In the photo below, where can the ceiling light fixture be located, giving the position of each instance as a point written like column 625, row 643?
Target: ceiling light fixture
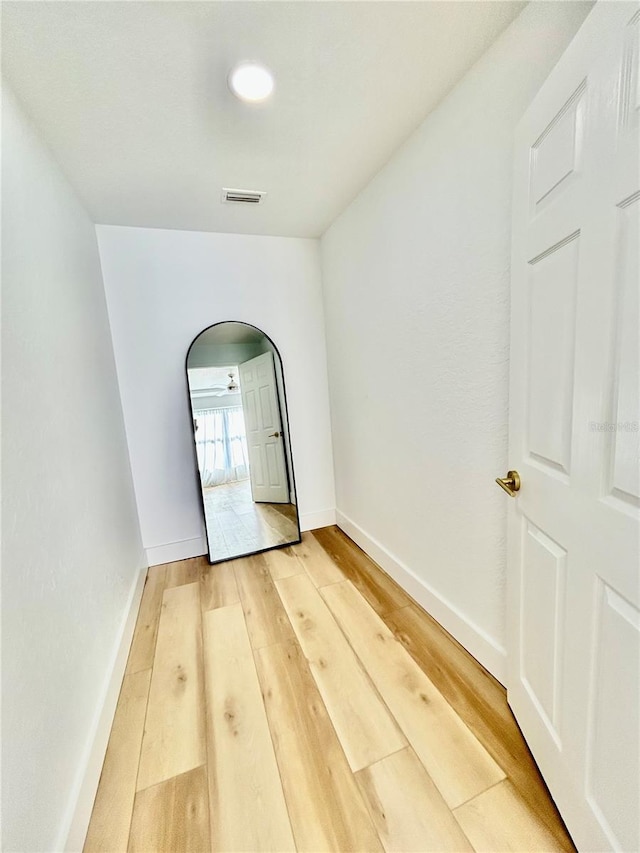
column 251, row 82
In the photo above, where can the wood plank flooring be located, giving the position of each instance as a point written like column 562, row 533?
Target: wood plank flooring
column 300, row 700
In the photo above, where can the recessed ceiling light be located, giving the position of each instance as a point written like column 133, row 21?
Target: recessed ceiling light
column 251, row 82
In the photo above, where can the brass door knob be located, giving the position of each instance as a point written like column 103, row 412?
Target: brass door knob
column 511, row 483
column 274, row 435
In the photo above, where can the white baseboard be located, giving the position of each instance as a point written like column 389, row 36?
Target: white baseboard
column 74, row 828
column 313, row 520
column 183, row 549
column 483, row 647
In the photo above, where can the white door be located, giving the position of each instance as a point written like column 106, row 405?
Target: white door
column 267, row 465
column 574, row 534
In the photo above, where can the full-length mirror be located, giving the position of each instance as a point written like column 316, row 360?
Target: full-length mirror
column 241, row 435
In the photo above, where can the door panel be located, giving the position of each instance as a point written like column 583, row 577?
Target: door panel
column 268, row 419
column 555, row 155
column 553, row 280
column 574, row 528
column 543, row 584
column 623, row 475
column 613, row 724
column 257, row 463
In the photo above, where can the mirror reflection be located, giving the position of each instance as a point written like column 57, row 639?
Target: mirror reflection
column 241, row 436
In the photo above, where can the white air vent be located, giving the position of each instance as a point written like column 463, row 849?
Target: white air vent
column 230, row 196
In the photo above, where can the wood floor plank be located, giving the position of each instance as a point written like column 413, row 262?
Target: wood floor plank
column 247, row 804
column 364, row 726
column 267, row 621
column 317, row 563
column 279, row 523
column 407, row 808
column 326, row 808
column 282, row 563
column 481, row 702
column 185, row 571
column 218, row 587
column 174, row 737
column 289, row 511
column 173, row 816
column 499, row 820
column 144, row 637
column 111, row 817
column 382, row 593
column 456, row 761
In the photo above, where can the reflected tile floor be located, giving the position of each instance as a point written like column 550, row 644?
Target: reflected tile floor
column 237, row 525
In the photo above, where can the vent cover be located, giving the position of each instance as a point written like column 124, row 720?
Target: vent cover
column 230, row 196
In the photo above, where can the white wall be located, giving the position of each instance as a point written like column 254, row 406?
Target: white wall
column 416, row 283
column 201, row 404
column 72, row 554
column 163, row 288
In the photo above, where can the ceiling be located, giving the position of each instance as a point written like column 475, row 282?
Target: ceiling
column 132, row 99
column 229, row 333
column 206, row 378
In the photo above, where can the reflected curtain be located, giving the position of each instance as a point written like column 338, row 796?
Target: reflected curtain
column 221, row 445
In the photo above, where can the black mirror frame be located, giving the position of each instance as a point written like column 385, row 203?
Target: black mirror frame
column 282, row 408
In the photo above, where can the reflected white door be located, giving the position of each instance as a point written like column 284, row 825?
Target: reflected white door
column 265, row 442
column 574, row 534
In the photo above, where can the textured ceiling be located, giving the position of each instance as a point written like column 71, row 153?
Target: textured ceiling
column 132, row 99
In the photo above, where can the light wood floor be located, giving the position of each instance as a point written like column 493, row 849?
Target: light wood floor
column 238, row 525
column 300, row 700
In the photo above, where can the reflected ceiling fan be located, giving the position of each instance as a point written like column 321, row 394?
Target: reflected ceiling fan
column 220, row 390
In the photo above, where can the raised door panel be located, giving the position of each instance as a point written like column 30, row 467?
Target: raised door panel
column 267, row 409
column 556, row 154
column 552, row 292
column 630, row 76
column 542, row 604
column 613, row 743
column 264, row 368
column 251, row 410
column 273, row 465
column 249, row 373
column 258, row 465
column 623, row 476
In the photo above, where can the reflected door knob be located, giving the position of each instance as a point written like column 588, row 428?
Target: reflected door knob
column 511, row 483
